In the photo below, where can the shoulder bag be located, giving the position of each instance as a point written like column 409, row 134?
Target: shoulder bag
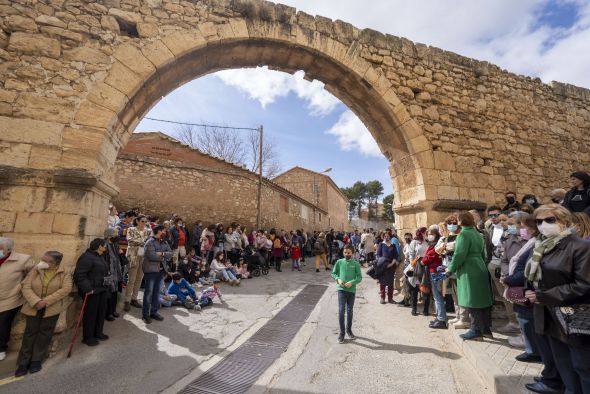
column 574, row 319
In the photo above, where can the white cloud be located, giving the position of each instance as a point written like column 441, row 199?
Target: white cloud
column 353, row 135
column 504, row 32
column 267, row 86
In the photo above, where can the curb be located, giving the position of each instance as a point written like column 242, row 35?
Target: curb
column 485, row 367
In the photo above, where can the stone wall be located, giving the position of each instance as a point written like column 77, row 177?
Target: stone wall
column 161, row 176
column 327, row 194
column 77, row 76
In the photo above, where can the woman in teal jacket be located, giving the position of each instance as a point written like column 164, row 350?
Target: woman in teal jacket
column 473, row 282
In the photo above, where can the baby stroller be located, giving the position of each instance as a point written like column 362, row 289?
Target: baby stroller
column 256, row 263
column 362, row 256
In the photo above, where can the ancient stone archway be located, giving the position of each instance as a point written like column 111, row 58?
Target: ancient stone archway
column 78, row 77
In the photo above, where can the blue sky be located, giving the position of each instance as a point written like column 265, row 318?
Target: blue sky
column 541, row 38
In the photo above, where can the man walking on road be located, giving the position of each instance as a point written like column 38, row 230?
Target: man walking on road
column 347, row 273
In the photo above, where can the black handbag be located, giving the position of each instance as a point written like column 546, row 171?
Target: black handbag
column 574, row 319
column 372, row 272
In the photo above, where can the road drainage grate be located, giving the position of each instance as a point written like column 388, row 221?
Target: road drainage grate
column 238, row 371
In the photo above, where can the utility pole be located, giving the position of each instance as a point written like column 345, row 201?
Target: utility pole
column 259, row 215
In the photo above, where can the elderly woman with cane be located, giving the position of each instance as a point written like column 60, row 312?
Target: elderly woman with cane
column 45, row 290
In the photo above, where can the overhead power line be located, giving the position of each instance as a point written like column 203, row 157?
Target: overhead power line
column 202, row 125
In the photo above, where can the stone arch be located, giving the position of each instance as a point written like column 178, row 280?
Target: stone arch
column 153, row 70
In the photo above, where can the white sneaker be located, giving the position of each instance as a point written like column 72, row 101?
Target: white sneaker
column 517, row 341
column 462, row 324
column 2, row 355
column 198, row 307
column 453, row 321
column 509, row 328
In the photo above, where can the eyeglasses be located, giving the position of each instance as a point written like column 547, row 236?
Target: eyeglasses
column 143, row 221
column 494, row 215
column 549, row 220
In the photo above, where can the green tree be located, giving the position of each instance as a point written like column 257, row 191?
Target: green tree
column 388, row 208
column 357, row 195
column 374, row 189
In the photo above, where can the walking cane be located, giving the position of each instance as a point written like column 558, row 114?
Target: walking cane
column 78, row 325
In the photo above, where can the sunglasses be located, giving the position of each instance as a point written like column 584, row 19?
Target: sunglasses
column 550, row 220
column 494, row 215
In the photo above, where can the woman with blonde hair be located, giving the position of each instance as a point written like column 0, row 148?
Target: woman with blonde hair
column 558, row 274
column 581, row 222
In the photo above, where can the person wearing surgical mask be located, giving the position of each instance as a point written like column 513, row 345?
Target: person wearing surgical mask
column 557, row 274
column 46, row 291
column 512, row 242
column 446, row 247
column 530, row 199
column 13, row 269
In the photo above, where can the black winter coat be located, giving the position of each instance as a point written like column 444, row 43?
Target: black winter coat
column 567, row 201
column 565, row 281
column 90, row 271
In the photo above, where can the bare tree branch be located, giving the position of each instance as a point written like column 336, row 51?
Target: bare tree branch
column 270, row 155
column 225, row 144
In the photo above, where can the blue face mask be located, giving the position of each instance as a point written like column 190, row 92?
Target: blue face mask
column 452, row 227
column 513, row 230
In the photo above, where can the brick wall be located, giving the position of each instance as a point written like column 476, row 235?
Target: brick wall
column 176, row 179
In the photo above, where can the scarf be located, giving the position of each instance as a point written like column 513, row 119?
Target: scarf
column 543, row 245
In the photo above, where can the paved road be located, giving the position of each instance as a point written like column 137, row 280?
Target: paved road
column 394, row 351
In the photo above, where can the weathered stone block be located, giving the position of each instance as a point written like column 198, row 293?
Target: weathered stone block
column 131, row 56
column 30, row 131
column 87, row 55
column 15, row 155
column 157, row 53
column 44, row 108
column 94, row 115
column 68, row 224
column 33, row 223
column 123, row 79
column 34, row 44
column 443, row 161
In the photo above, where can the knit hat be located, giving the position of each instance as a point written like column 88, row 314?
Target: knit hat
column 110, row 232
column 581, row 175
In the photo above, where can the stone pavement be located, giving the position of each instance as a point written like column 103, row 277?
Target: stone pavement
column 495, row 363
column 394, row 351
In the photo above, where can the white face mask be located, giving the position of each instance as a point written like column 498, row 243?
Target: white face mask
column 431, row 238
column 2, row 254
column 549, row 230
column 42, row 266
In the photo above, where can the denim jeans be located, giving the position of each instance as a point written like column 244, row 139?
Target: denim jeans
column 527, row 328
column 345, row 300
column 151, row 293
column 227, row 275
column 439, row 300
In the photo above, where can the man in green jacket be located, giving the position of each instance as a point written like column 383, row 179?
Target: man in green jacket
column 347, row 273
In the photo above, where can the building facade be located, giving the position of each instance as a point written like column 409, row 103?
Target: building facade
column 321, row 190
column 162, row 176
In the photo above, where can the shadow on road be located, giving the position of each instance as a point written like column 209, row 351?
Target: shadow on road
column 403, row 349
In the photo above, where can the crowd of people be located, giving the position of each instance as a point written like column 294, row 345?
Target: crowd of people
column 528, row 261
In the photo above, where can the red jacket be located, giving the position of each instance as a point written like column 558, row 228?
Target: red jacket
column 295, row 253
column 431, row 259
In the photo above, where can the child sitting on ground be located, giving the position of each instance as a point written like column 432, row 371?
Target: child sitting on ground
column 243, row 270
column 165, row 298
column 295, row 256
column 208, row 295
column 183, row 291
column 189, row 268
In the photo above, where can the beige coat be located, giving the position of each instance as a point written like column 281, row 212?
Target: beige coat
column 12, row 273
column 58, row 289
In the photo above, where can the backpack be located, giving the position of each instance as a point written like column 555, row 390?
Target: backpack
column 317, row 246
column 277, row 243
